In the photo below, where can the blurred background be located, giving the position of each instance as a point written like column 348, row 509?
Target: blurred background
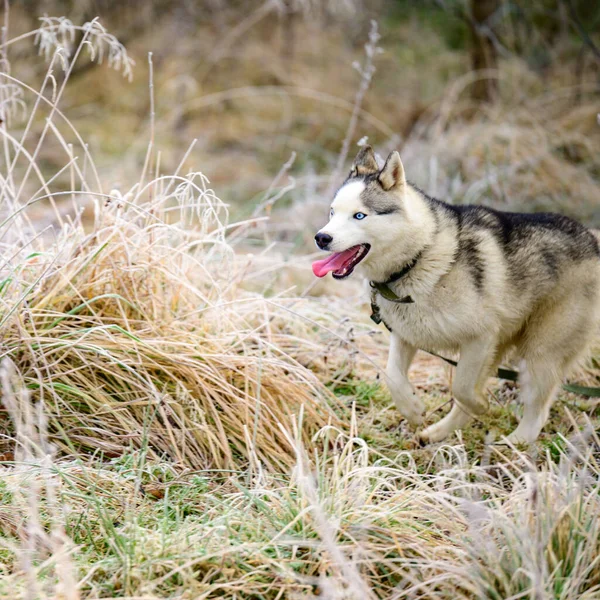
column 489, row 101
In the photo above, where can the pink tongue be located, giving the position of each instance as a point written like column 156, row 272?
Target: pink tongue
column 334, row 262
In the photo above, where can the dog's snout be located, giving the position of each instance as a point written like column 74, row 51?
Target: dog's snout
column 323, row 240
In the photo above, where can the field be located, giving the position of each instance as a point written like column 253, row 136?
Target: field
column 186, row 411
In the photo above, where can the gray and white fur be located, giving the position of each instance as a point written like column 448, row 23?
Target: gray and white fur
column 486, row 284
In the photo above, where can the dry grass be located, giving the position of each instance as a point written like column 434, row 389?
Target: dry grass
column 352, row 525
column 533, row 151
column 141, row 329
column 181, row 422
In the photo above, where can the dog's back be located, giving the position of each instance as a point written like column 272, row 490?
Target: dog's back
column 538, row 248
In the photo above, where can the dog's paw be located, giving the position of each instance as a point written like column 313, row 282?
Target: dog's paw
column 432, row 434
column 515, row 439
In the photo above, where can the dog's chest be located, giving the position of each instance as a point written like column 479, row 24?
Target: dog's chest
column 434, row 321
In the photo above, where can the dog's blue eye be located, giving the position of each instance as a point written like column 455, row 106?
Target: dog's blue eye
column 359, row 216
column 331, row 213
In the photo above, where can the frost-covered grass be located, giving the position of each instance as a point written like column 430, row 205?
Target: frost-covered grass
column 182, row 418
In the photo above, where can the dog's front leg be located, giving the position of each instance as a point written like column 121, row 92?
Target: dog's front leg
column 473, row 370
column 407, row 401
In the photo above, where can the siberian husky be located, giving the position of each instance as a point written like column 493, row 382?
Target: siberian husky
column 466, row 279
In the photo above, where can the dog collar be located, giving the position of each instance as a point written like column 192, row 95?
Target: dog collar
column 383, row 288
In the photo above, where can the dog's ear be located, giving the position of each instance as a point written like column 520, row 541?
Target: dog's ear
column 392, row 175
column 364, row 163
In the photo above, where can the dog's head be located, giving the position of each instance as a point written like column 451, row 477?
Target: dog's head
column 366, row 216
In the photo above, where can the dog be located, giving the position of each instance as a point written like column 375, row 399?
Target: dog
column 484, row 283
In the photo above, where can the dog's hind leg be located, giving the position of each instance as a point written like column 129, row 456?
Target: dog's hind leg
column 538, row 386
column 545, row 367
column 557, row 336
column 477, row 359
column 407, row 401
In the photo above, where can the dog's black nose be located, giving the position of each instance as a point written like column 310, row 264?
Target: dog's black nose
column 323, row 240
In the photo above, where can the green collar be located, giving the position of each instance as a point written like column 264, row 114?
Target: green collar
column 384, row 290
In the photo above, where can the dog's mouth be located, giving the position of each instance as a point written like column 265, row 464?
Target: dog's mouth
column 341, row 263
